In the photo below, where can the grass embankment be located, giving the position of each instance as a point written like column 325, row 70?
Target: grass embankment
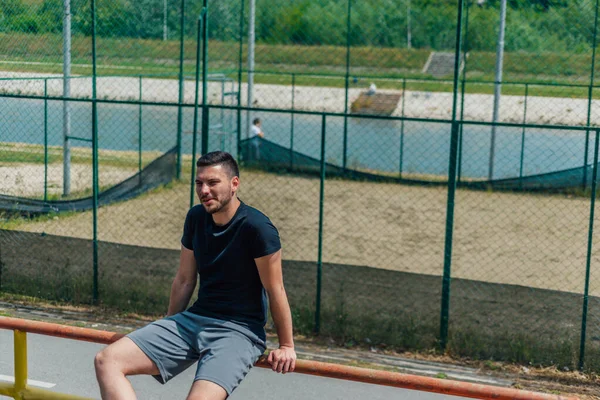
column 325, row 64
column 34, row 153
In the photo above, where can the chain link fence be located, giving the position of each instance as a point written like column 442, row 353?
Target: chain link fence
column 431, row 167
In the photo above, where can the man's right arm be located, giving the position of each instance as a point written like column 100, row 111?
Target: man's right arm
column 184, row 283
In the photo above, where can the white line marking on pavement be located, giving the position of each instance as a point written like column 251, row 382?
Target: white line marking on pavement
column 31, row 382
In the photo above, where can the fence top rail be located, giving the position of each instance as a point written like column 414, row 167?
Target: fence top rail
column 364, row 375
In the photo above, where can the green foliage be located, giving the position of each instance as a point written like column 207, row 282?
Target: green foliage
column 51, row 16
column 532, row 25
column 12, row 8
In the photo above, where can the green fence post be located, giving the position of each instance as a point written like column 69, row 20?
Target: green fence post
column 181, row 92
column 321, row 214
column 140, row 129
column 523, row 135
column 196, row 101
column 204, row 33
column 452, row 169
column 45, row 139
column 400, row 167
column 239, row 94
column 590, row 97
column 95, row 187
column 348, row 30
column 292, row 122
column 462, row 90
column 589, row 257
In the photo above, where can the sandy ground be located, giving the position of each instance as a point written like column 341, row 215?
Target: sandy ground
column 478, row 107
column 27, row 180
column 531, row 240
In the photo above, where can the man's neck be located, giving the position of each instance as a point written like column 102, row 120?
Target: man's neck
column 224, row 216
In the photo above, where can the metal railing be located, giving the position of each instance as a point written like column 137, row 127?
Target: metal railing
column 21, row 391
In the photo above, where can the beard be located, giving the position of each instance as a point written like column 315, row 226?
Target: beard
column 219, row 204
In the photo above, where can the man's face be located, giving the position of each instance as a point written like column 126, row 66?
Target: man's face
column 215, row 188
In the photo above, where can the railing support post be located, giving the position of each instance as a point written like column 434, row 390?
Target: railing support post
column 20, row 343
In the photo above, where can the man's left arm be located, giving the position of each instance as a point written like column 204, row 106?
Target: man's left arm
column 282, row 359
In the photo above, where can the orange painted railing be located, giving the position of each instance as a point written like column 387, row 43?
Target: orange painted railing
column 406, row 381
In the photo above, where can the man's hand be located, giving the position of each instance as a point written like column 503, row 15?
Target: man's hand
column 283, row 359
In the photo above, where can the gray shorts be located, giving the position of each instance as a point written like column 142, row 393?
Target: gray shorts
column 225, row 351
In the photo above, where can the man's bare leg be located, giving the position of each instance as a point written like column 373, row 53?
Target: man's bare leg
column 206, row 390
column 115, row 362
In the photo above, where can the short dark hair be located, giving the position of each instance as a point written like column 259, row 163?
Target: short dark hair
column 256, row 121
column 219, row 158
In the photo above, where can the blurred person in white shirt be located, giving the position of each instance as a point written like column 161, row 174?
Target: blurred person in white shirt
column 256, row 133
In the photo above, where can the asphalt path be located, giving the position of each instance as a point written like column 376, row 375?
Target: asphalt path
column 66, row 366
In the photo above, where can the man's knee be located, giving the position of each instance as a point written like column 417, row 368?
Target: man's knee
column 126, row 358
column 114, row 357
column 104, row 360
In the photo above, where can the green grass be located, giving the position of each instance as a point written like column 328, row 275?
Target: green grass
column 413, row 84
column 34, row 154
column 14, row 221
column 164, row 55
column 8, row 156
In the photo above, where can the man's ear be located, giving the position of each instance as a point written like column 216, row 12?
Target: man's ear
column 235, row 183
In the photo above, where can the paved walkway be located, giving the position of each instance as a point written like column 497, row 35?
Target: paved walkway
column 66, row 366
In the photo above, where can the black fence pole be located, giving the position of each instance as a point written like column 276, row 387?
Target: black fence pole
column 589, row 257
column 452, row 172
column 321, row 216
column 239, row 93
column 181, row 91
column 196, row 102
column 95, row 186
column 590, row 97
column 205, row 126
column 348, row 33
column 292, row 122
column 462, row 91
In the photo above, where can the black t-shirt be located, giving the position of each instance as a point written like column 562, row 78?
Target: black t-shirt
column 230, row 287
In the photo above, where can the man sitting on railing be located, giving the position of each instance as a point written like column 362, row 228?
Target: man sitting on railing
column 237, row 253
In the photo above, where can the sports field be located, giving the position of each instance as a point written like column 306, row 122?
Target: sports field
column 522, row 239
